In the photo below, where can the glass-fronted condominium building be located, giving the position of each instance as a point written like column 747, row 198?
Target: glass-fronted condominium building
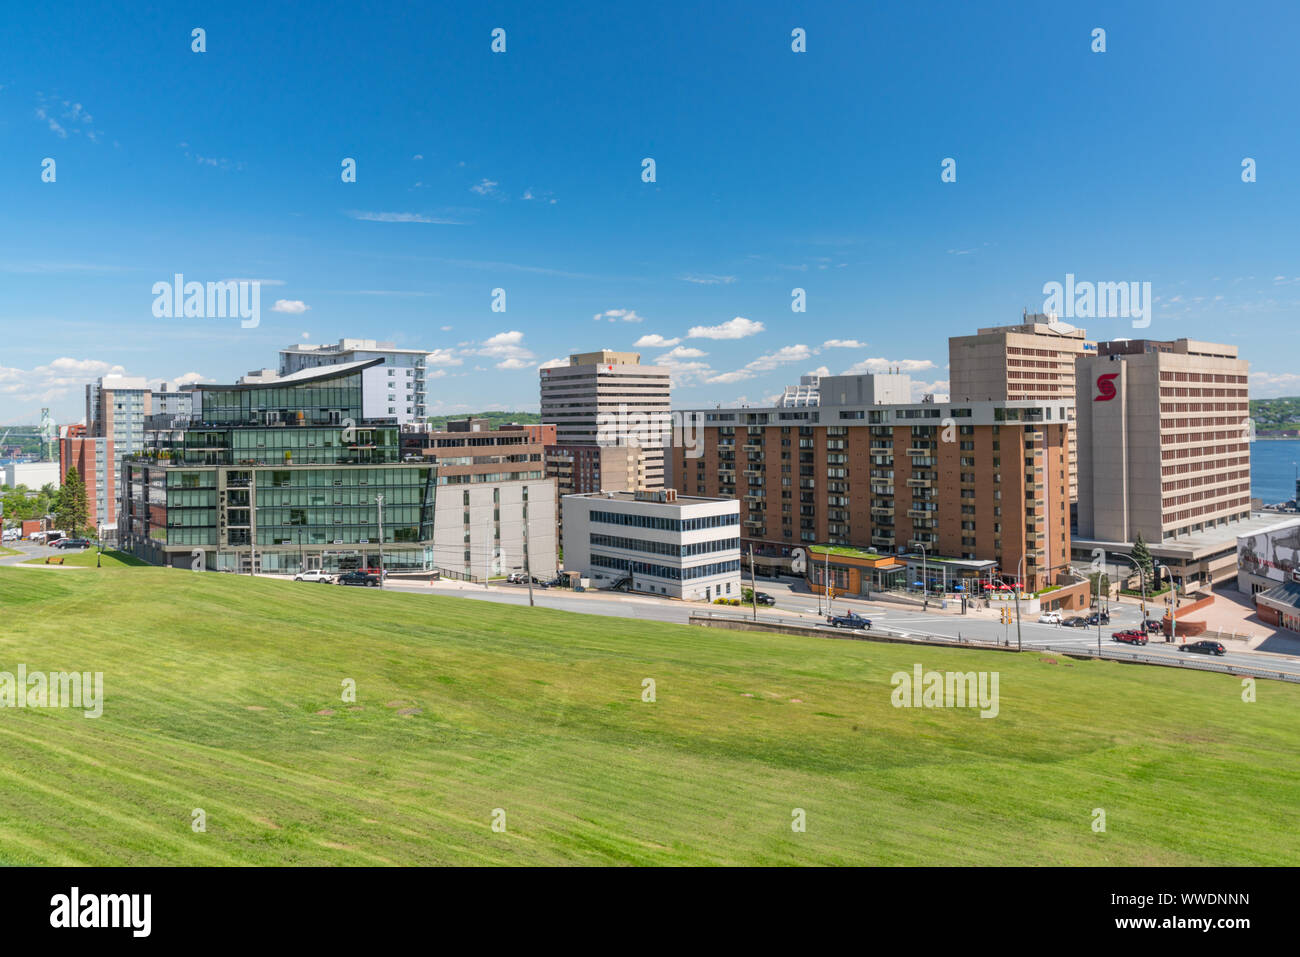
column 280, row 476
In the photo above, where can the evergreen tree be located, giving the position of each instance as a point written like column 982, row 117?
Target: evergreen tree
column 70, row 511
column 1141, row 556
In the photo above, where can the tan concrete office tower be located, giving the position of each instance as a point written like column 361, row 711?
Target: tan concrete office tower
column 608, row 398
column 1034, row 360
column 1164, row 450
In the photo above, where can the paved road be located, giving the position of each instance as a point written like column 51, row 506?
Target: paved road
column 795, row 604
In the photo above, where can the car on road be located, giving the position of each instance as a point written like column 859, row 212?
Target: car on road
column 72, row 543
column 314, row 575
column 1153, row 624
column 763, row 598
column 1204, row 647
column 1130, row 637
column 1050, row 618
column 1105, row 618
column 1077, row 621
column 851, row 620
column 358, row 578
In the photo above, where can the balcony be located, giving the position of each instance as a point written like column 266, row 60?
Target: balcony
column 751, row 497
column 884, row 541
column 754, row 473
column 753, row 523
column 882, row 510
column 919, row 513
column 920, row 451
column 920, row 483
column 749, row 447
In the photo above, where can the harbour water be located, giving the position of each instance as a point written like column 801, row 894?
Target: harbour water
column 1272, row 469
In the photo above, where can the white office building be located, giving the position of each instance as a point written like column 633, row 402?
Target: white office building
column 396, row 390
column 655, row 541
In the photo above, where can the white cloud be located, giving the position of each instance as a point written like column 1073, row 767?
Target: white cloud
column 654, row 341
column 681, row 352
column 737, row 328
column 921, row 389
column 708, row 280
column 508, row 348
column 418, row 156
column 485, row 187
column 443, row 357
column 554, row 364
column 369, row 217
column 24, row 391
column 1273, row 385
column 614, row 315
column 820, row 371
column 765, row 363
column 290, row 305
column 445, row 328
column 887, row 365
column 843, row 344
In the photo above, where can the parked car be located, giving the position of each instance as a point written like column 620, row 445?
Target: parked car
column 763, row 598
column 1204, row 648
column 514, row 578
column 314, row 575
column 72, row 543
column 1050, row 618
column 851, row 620
column 1105, row 618
column 358, row 578
column 1077, row 621
column 1130, row 637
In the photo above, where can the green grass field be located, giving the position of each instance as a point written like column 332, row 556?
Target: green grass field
column 85, row 558
column 223, row 693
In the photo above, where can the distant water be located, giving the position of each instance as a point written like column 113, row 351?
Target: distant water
column 1272, row 469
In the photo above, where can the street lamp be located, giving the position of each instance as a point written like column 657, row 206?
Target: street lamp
column 1173, row 603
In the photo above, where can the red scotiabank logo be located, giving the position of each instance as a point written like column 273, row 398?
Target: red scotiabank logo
column 1105, row 388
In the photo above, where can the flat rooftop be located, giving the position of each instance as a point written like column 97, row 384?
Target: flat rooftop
column 1197, row 545
column 632, row 497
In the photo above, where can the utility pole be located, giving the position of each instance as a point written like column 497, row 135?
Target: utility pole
column 379, row 500
column 528, row 568
column 753, row 586
column 487, row 553
column 829, row 613
column 1018, row 568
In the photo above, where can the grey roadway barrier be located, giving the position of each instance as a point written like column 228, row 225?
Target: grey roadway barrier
column 804, row 627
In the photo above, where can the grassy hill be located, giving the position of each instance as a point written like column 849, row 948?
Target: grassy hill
column 495, row 419
column 223, row 693
column 1283, row 413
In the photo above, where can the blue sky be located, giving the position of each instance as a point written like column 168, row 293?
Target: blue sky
column 522, row 171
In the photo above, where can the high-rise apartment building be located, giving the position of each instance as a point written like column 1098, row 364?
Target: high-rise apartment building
column 116, row 408
column 969, row 481
column 1164, row 451
column 1033, row 360
column 280, row 476
column 93, row 458
column 396, row 390
column 608, row 398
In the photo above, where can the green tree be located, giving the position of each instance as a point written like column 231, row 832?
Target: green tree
column 70, row 511
column 1141, row 556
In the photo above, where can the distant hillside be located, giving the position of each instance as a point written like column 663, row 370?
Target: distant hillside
column 1270, row 414
column 494, row 418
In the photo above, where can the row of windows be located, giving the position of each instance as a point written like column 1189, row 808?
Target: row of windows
column 664, row 571
column 667, row 548
column 666, row 524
